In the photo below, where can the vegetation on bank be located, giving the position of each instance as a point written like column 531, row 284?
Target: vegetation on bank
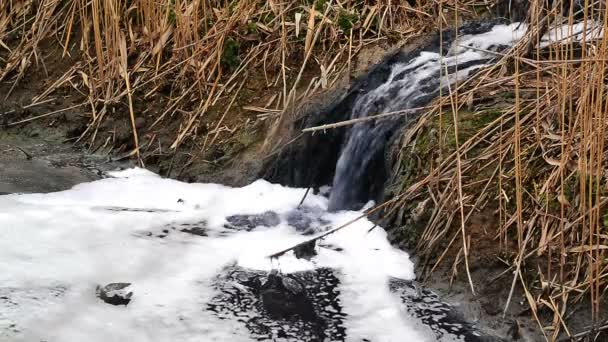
column 536, row 158
column 193, row 61
column 524, row 143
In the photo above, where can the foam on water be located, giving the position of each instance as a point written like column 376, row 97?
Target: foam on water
column 57, row 247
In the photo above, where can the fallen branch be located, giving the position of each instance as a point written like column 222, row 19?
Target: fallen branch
column 313, row 240
column 367, row 118
column 45, row 115
column 304, row 197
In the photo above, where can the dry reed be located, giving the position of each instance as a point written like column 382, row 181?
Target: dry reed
column 195, row 54
column 539, row 165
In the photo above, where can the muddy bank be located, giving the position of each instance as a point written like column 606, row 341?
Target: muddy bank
column 38, row 159
column 38, row 162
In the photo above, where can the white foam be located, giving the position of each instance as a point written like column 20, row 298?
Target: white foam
column 505, row 35
column 73, row 240
column 577, row 32
column 55, row 248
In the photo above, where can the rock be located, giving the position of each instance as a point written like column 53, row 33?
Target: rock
column 299, row 220
column 446, row 321
column 306, row 220
column 198, row 228
column 421, row 211
column 195, row 231
column 27, row 176
column 249, row 222
column 301, row 306
column 115, row 293
column 283, row 297
column 305, row 250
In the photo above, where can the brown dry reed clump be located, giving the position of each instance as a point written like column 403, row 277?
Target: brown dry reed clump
column 538, row 162
column 198, row 55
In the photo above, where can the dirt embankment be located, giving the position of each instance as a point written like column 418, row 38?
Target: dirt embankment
column 487, row 292
column 231, row 145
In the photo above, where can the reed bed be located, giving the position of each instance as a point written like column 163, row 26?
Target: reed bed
column 198, row 56
column 537, row 163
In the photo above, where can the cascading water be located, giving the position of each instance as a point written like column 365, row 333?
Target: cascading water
column 410, row 84
column 414, row 79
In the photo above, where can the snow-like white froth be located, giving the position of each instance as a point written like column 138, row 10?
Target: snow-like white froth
column 55, row 248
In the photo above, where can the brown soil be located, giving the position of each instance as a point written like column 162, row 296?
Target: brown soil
column 64, row 116
column 234, row 156
column 491, row 283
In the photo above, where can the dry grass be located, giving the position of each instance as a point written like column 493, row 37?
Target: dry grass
column 198, row 54
column 539, row 164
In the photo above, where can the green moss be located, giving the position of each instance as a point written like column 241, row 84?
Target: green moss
column 247, row 137
column 572, row 187
column 507, row 95
column 171, row 12
column 230, row 56
column 410, row 234
column 376, row 21
column 469, row 124
column 251, row 27
column 347, row 20
column 232, row 6
column 241, row 140
column 268, row 18
column 320, row 5
column 423, row 152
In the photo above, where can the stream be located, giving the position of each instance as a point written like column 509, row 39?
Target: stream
column 196, row 259
column 137, row 257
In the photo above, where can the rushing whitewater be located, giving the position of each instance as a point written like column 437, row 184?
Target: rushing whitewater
column 410, row 84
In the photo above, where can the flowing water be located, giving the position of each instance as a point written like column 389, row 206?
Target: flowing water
column 196, row 258
column 135, row 257
column 414, row 80
column 410, row 84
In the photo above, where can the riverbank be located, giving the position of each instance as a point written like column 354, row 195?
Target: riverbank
column 49, row 141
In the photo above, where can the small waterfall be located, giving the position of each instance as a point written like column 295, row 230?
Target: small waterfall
column 412, row 83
